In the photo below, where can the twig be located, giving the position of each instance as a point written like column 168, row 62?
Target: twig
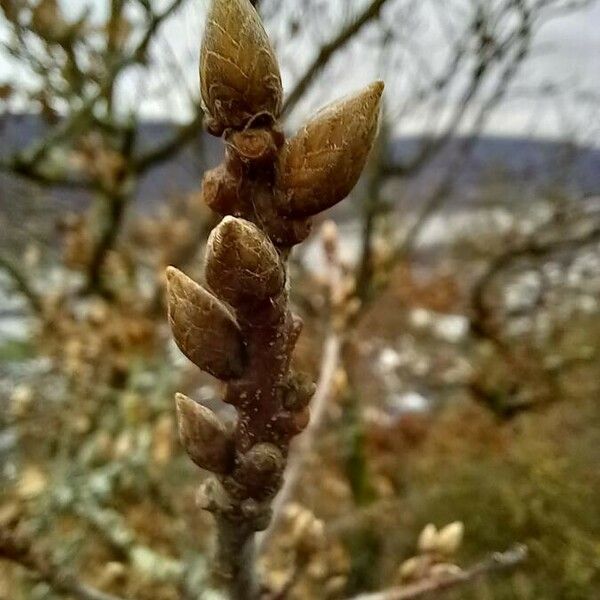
column 114, row 204
column 19, row 550
column 328, row 50
column 481, row 313
column 306, row 440
column 155, row 21
column 532, row 250
column 497, row 562
column 166, row 150
column 445, row 187
column 22, row 284
column 520, row 38
column 241, row 328
column 332, row 354
column 113, row 527
column 28, row 162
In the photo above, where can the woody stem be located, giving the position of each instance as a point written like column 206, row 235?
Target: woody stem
column 235, row 559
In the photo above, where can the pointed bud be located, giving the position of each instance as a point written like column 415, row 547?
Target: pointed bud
column 428, row 539
column 204, row 328
column 450, row 538
column 260, row 470
column 242, row 263
column 414, row 568
column 238, row 70
column 320, row 166
column 203, row 436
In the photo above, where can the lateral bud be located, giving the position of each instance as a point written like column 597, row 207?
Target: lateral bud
column 242, row 263
column 260, row 470
column 323, row 162
column 289, row 423
column 220, row 190
column 204, row 328
column 203, row 436
column 299, row 392
column 239, row 73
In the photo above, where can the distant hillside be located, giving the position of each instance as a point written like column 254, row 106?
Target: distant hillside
column 522, row 162
column 179, row 175
column 514, row 161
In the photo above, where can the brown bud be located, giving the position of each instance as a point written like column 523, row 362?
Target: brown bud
column 260, row 470
column 204, row 328
column 213, row 496
column 238, row 70
column 299, row 392
column 288, row 423
column 203, row 436
column 450, row 538
column 220, row 190
column 320, row 166
column 253, row 146
column 242, row 263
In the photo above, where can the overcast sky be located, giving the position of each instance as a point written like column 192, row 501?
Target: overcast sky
column 567, row 55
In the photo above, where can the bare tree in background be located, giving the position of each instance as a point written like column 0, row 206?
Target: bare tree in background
column 71, row 70
column 74, row 70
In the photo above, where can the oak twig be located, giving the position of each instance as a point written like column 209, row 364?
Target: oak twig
column 497, row 562
column 240, row 327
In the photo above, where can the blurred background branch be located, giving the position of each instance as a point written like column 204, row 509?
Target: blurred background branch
column 461, row 322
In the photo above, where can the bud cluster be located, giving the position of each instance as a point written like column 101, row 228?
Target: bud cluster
column 436, row 549
column 239, row 326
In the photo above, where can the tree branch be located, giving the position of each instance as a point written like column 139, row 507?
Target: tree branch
column 444, row 188
column 166, row 150
column 28, row 162
column 156, row 20
column 328, row 50
column 19, row 550
column 22, row 284
column 497, row 562
column 521, row 38
column 531, row 250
